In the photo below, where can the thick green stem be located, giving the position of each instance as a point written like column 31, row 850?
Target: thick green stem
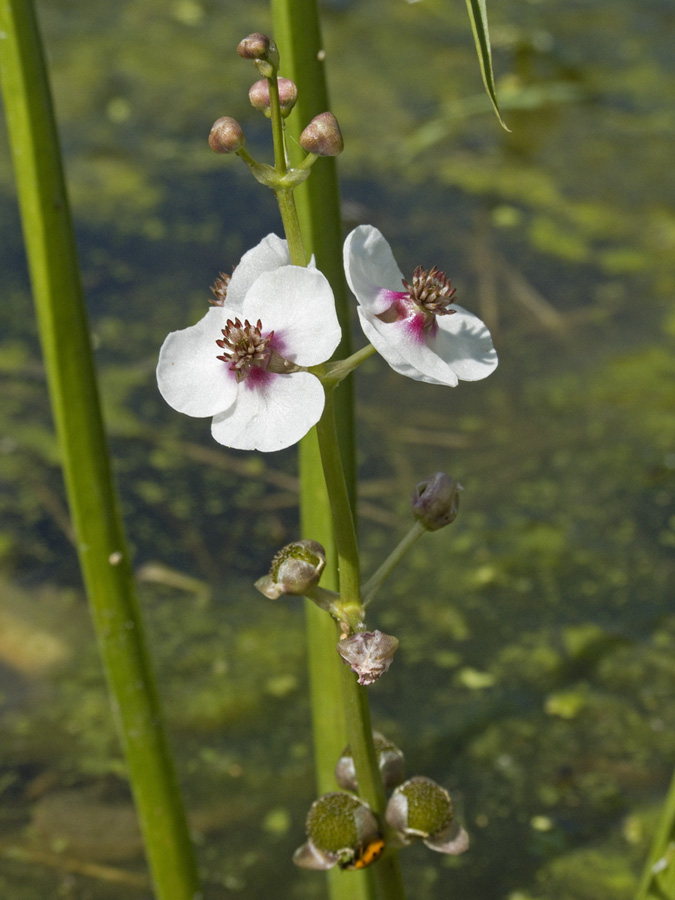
column 289, row 217
column 298, row 35
column 71, row 377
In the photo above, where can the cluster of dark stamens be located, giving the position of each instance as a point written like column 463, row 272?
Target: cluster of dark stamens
column 431, row 291
column 244, row 347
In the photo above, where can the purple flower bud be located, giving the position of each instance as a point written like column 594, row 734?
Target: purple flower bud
column 259, row 95
column 226, row 135
column 322, row 136
column 435, row 501
column 368, row 653
column 295, row 569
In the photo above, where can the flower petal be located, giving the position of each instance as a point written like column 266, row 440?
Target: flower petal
column 371, row 269
column 269, row 254
column 190, row 377
column 405, row 354
column 465, row 343
column 298, row 305
column 459, row 346
column 272, row 415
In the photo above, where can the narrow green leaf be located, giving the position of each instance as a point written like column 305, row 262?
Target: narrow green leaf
column 71, row 377
column 479, row 25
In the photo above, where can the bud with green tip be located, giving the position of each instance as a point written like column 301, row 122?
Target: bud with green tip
column 322, row 136
column 435, row 501
column 226, row 135
column 295, row 569
column 389, row 759
column 368, row 653
column 341, row 830
column 420, row 808
column 259, row 95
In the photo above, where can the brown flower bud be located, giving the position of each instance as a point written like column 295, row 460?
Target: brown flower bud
column 255, row 46
column 259, row 95
column 262, row 50
column 435, row 501
column 322, row 136
column 226, row 135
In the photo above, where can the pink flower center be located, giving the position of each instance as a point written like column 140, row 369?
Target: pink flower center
column 249, row 353
column 428, row 295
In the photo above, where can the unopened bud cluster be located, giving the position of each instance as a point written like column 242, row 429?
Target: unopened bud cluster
column 322, row 137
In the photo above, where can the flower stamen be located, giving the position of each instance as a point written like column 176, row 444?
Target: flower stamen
column 219, row 289
column 245, row 347
column 431, row 291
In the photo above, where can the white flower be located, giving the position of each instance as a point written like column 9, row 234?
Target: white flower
column 243, row 363
column 414, row 325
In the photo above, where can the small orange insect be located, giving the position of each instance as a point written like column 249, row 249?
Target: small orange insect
column 366, row 855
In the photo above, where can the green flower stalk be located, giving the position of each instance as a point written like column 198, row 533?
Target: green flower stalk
column 104, row 559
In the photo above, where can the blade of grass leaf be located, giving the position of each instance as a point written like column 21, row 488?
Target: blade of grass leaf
column 479, row 25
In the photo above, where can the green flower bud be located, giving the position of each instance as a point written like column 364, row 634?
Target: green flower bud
column 435, row 501
column 419, row 807
column 341, row 830
column 295, row 569
column 226, row 135
column 368, row 653
column 322, row 137
column 389, row 758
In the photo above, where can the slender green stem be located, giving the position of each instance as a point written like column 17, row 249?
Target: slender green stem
column 104, row 558
column 658, row 877
column 372, row 586
column 280, row 161
column 298, row 35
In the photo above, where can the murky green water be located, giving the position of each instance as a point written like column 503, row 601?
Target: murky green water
column 535, row 678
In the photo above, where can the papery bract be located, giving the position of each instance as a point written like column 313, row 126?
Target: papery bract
column 243, row 362
column 415, row 326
